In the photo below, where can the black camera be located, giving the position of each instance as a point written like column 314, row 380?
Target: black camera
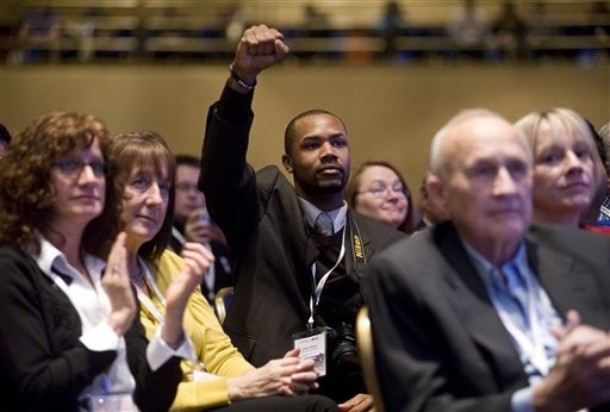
column 342, row 347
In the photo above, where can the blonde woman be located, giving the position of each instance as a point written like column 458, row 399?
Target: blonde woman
column 566, row 175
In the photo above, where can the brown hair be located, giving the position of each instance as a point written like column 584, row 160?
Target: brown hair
column 353, row 188
column 128, row 151
column 26, row 194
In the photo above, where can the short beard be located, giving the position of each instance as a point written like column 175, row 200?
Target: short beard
column 329, row 189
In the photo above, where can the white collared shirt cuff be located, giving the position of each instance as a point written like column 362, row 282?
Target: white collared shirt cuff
column 521, row 401
column 100, row 338
column 159, row 352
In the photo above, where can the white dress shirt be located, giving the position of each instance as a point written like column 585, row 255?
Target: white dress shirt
column 93, row 306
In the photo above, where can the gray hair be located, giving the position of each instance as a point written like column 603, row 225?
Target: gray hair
column 439, row 164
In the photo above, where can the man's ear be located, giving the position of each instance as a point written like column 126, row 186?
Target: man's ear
column 434, row 187
column 287, row 162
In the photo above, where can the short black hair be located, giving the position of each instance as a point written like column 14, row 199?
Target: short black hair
column 4, row 134
column 187, row 160
column 289, row 132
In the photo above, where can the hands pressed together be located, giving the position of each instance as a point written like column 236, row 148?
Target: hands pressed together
column 581, row 375
column 286, row 376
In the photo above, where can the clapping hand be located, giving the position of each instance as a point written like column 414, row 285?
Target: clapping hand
column 197, row 259
column 581, row 375
column 117, row 285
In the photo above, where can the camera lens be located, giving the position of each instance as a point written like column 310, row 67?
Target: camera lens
column 345, row 351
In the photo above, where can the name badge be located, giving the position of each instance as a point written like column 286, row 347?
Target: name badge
column 313, row 346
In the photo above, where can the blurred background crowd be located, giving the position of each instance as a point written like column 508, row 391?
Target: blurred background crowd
column 357, row 31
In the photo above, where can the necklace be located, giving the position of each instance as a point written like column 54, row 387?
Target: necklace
column 138, row 278
column 152, row 290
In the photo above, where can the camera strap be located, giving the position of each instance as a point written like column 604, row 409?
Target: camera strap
column 312, row 342
column 351, row 231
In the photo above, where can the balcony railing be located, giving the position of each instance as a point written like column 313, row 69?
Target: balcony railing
column 153, row 31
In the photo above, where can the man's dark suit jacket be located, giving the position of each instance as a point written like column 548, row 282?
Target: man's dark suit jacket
column 43, row 364
column 437, row 335
column 270, row 244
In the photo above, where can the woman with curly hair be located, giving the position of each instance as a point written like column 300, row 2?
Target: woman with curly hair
column 68, row 339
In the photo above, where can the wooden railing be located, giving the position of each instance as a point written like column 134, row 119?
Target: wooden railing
column 149, row 30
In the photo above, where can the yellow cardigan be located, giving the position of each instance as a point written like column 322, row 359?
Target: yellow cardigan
column 212, row 346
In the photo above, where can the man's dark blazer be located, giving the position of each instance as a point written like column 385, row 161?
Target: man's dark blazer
column 269, row 242
column 437, row 335
column 43, row 364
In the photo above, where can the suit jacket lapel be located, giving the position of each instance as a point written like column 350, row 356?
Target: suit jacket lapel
column 552, row 270
column 568, row 284
column 476, row 312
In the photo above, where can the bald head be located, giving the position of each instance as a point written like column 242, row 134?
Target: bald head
column 445, row 147
column 482, row 175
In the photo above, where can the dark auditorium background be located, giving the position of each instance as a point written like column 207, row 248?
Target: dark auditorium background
column 158, row 65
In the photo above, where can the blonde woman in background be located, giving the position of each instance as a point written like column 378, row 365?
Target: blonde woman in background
column 566, row 176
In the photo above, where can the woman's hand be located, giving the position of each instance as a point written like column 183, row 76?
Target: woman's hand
column 287, row 376
column 117, row 285
column 197, row 259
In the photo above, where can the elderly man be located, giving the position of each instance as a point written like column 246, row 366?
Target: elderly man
column 432, row 213
column 484, row 312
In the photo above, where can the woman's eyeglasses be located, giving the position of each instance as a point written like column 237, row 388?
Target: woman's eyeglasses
column 382, row 191
column 73, row 167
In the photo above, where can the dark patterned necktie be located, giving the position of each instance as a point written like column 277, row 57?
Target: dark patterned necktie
column 324, row 224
